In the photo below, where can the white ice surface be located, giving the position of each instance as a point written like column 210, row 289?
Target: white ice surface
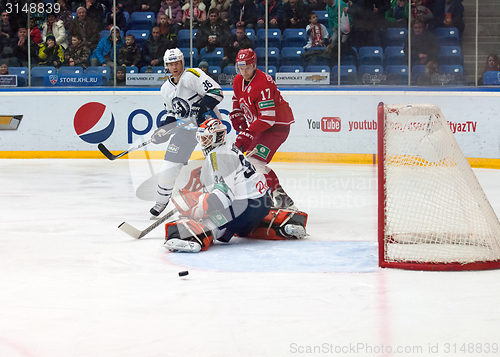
column 73, row 285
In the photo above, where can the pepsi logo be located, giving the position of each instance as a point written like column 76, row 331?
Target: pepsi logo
column 94, row 123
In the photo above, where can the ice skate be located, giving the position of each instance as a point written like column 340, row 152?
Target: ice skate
column 282, row 200
column 294, row 231
column 157, row 209
column 181, row 245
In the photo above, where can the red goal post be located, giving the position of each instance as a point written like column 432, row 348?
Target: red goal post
column 432, row 211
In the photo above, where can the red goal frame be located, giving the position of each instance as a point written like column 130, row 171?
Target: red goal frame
column 408, row 265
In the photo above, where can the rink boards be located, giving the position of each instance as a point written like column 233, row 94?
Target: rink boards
column 337, row 126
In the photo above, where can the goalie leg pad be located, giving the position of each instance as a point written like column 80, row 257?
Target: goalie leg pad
column 274, row 225
column 187, row 235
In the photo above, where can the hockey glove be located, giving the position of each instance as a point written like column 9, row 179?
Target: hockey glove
column 161, row 135
column 194, row 183
column 196, row 113
column 244, row 140
column 238, row 120
column 191, row 204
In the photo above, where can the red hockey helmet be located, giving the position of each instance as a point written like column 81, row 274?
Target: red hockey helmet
column 245, row 57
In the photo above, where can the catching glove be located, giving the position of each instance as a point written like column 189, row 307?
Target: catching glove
column 191, row 204
column 244, row 140
column 238, row 120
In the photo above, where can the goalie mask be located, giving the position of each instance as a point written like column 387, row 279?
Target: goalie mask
column 211, row 134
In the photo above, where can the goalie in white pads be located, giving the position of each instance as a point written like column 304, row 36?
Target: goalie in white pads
column 188, row 95
column 234, row 200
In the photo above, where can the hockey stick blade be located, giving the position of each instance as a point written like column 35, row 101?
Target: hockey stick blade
column 112, row 157
column 137, row 234
column 105, row 151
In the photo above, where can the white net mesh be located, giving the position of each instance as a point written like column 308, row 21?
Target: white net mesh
column 435, row 209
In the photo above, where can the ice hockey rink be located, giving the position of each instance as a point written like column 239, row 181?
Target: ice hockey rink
column 73, row 285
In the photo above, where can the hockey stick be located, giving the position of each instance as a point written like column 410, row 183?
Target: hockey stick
column 137, row 234
column 251, row 153
column 110, row 156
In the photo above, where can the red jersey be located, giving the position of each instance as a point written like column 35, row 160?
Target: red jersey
column 261, row 100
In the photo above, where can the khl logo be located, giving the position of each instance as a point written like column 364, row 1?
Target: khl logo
column 94, row 123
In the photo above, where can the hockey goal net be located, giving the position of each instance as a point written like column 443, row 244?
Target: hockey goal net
column 433, row 213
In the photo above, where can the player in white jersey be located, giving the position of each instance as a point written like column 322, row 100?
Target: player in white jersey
column 188, row 95
column 234, row 199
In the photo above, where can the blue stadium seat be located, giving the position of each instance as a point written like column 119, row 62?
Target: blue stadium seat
column 371, row 55
column 395, row 55
column 447, row 36
column 291, row 56
column 213, row 58
column 291, row 69
column 274, row 38
column 155, row 69
column 132, row 69
column 416, row 72
column 229, row 70
column 38, row 74
column 105, row 33
column 141, row 21
column 324, row 69
column 19, row 71
column 273, row 56
column 187, row 55
column 396, row 36
column 294, row 38
column 250, row 33
column 348, row 60
column 271, row 70
column 450, row 55
column 215, row 70
column 141, row 36
column 183, row 38
column 347, row 74
column 22, row 75
column 102, row 70
column 401, row 72
column 451, row 69
column 489, row 78
column 370, row 69
column 70, row 70
column 322, row 17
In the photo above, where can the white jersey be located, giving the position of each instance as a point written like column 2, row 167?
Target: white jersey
column 227, row 173
column 193, row 85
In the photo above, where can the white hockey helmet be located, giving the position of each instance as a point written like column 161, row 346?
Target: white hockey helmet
column 173, row 55
column 211, row 134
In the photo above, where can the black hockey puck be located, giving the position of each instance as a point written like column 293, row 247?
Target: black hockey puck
column 183, row 273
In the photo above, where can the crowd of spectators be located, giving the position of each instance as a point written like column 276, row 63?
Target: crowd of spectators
column 71, row 36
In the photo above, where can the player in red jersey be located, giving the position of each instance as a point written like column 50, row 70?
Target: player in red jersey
column 263, row 119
